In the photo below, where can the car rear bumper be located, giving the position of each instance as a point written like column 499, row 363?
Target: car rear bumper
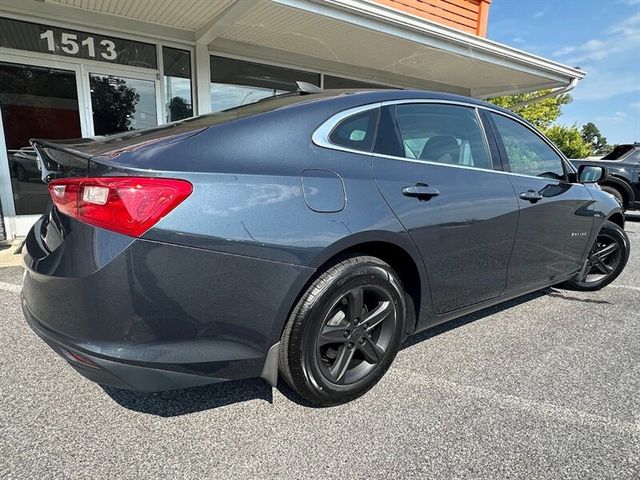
column 113, row 371
column 150, row 316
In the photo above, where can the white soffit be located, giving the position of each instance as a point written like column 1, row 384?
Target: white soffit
column 349, row 37
column 186, row 14
column 387, row 57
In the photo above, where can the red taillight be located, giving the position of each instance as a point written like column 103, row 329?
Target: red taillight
column 129, row 205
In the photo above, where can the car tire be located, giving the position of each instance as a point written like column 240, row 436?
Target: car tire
column 344, row 332
column 21, row 174
column 615, row 193
column 606, row 260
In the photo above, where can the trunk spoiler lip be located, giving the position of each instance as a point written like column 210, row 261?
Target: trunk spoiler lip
column 106, row 157
column 57, row 145
column 47, row 170
column 68, row 146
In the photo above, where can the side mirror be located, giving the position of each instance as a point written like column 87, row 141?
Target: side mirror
column 591, row 174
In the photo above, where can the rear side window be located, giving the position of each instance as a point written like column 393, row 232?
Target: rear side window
column 357, row 131
column 447, row 134
column 527, row 153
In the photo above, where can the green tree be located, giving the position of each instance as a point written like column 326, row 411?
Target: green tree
column 569, row 140
column 592, row 135
column 542, row 113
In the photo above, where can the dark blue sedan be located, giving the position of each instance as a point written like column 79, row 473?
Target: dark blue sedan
column 304, row 236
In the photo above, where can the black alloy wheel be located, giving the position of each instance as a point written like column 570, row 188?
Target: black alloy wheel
column 603, row 258
column 344, row 332
column 605, row 261
column 356, row 333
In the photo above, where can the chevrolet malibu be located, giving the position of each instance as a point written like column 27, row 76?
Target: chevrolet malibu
column 303, row 236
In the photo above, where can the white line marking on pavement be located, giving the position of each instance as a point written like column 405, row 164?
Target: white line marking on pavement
column 10, row 287
column 628, row 287
column 555, row 412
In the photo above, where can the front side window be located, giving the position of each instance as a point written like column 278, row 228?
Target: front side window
column 527, row 153
column 447, row 134
column 356, row 132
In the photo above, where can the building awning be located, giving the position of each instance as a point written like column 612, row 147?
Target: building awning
column 354, row 38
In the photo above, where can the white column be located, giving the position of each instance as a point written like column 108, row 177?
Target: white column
column 6, row 196
column 203, row 79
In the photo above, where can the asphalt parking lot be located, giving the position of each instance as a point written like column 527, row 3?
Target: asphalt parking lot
column 547, row 386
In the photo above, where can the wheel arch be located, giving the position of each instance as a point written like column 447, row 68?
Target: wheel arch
column 617, row 218
column 397, row 250
column 622, row 186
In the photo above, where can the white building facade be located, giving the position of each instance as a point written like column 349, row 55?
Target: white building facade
column 79, row 68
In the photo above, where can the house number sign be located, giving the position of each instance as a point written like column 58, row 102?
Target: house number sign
column 16, row 34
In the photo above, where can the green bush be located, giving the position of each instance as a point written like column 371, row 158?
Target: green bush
column 569, row 140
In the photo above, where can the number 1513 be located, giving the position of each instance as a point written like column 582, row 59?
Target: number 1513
column 69, row 45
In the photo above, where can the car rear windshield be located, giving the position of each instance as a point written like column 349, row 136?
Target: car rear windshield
column 618, row 152
column 242, row 111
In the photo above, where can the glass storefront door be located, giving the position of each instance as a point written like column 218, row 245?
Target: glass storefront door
column 35, row 102
column 120, row 104
column 56, row 100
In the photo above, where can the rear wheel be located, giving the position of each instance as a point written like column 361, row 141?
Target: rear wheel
column 344, row 332
column 606, row 260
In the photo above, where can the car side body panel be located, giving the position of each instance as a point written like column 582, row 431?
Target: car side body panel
column 465, row 234
column 553, row 233
column 204, row 295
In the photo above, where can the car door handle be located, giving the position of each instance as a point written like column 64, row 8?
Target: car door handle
column 531, row 196
column 421, row 191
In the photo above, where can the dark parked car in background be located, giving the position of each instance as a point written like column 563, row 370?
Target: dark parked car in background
column 623, row 181
column 304, row 235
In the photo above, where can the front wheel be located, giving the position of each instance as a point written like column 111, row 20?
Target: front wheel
column 345, row 331
column 606, row 260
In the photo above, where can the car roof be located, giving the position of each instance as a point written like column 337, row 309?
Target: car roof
column 373, row 95
column 347, row 98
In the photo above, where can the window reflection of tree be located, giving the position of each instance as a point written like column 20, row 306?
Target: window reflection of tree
column 179, row 108
column 113, row 103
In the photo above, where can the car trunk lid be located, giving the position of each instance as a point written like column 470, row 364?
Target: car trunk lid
column 73, row 158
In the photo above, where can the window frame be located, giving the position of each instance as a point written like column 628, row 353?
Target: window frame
column 567, row 168
column 495, row 161
column 374, row 129
column 320, row 136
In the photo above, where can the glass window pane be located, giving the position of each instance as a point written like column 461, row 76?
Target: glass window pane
column 177, row 81
column 90, row 46
column 443, row 134
column 238, row 82
column 121, row 104
column 356, row 132
column 331, row 82
column 527, row 153
column 36, row 102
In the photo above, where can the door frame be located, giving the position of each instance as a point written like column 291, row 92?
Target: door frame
column 107, row 70
column 19, row 225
